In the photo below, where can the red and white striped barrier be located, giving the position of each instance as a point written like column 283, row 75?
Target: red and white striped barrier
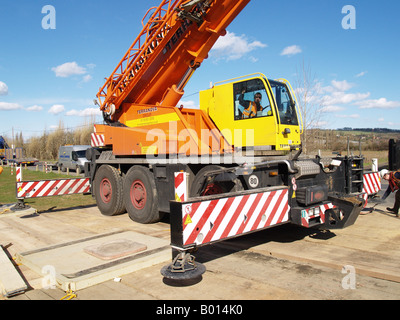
column 213, row 220
column 18, row 177
column 47, row 188
column 19, row 174
column 371, row 185
column 181, row 186
column 97, row 140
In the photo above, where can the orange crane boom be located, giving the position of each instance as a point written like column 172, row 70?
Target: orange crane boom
column 173, row 43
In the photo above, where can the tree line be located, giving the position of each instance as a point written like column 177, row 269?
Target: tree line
column 45, row 146
column 377, row 130
column 338, row 140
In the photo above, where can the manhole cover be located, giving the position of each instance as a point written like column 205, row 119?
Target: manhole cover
column 115, row 249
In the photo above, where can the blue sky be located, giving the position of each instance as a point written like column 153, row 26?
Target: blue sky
column 53, row 75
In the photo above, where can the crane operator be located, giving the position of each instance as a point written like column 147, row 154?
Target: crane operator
column 250, row 107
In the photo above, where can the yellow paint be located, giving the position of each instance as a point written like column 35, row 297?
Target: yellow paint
column 149, row 150
column 188, row 220
column 152, row 120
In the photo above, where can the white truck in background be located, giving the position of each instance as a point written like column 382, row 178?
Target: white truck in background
column 72, row 157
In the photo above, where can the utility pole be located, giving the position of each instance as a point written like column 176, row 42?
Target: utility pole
column 12, row 146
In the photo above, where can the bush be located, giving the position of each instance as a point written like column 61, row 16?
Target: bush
column 46, row 146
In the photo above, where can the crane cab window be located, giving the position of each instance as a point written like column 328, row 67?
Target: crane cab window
column 286, row 106
column 251, row 100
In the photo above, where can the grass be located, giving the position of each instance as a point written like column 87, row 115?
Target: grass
column 8, row 191
column 382, row 156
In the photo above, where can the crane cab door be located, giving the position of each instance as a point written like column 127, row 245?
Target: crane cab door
column 288, row 126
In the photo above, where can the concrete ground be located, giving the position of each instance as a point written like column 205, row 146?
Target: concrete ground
column 285, row 263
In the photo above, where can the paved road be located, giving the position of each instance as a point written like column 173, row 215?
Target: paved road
column 287, row 262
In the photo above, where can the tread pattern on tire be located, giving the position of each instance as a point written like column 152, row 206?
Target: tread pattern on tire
column 152, row 213
column 119, row 205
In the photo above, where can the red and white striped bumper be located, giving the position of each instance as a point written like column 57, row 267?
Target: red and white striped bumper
column 202, row 221
column 316, row 214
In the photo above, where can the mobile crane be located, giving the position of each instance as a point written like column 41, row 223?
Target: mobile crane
column 231, row 148
column 3, row 147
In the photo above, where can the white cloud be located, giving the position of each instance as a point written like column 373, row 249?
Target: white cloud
column 338, row 86
column 3, row 89
column 338, row 98
column 381, row 103
column 34, row 108
column 361, row 74
column 190, row 104
column 328, row 109
column 68, row 69
column 350, row 116
column 7, row 106
column 343, row 98
column 84, row 113
column 291, row 50
column 87, row 78
column 233, row 47
column 335, row 97
column 342, row 85
column 56, row 109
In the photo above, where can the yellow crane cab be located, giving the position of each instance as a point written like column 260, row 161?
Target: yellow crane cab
column 254, row 111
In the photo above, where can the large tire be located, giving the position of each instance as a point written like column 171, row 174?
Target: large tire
column 140, row 196
column 108, row 190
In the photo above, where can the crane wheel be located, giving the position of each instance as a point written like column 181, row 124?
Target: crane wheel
column 140, row 196
column 108, row 185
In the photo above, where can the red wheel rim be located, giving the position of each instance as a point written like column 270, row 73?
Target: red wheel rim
column 212, row 188
column 105, row 190
column 138, row 194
